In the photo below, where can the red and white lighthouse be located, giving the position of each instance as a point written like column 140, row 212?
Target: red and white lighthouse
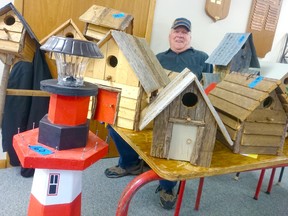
column 62, row 147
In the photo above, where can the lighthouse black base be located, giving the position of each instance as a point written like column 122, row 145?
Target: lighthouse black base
column 62, row 137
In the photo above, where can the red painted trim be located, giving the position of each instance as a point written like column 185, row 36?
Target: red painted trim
column 67, row 209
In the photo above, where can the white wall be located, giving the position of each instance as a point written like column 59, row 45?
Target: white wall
column 207, row 34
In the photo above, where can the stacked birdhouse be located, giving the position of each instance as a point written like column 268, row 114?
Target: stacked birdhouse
column 128, row 74
column 100, row 20
column 254, row 112
column 185, row 122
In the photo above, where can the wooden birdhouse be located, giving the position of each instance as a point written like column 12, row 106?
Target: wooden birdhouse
column 67, row 30
column 16, row 37
column 131, row 71
column 254, row 112
column 100, row 20
column 236, row 52
column 185, row 122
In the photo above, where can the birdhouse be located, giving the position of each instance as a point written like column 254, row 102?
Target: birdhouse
column 185, row 122
column 66, row 30
column 254, row 112
column 100, row 20
column 236, row 52
column 131, row 71
column 17, row 37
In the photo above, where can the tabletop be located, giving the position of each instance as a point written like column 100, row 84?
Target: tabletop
column 224, row 161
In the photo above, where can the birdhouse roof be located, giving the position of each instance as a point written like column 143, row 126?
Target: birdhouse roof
column 106, row 17
column 170, row 92
column 58, row 31
column 10, row 7
column 239, row 94
column 142, row 60
column 230, row 46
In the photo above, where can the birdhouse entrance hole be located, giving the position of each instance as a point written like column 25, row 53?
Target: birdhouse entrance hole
column 69, row 35
column 285, row 81
column 112, row 61
column 9, row 20
column 267, row 102
column 189, row 99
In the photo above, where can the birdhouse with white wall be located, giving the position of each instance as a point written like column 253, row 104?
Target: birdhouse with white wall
column 16, row 37
column 99, row 20
column 131, row 71
column 254, row 112
column 185, row 122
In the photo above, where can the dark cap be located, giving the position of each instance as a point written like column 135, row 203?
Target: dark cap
column 182, row 22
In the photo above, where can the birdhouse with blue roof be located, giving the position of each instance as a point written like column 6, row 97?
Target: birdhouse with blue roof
column 16, row 37
column 236, row 52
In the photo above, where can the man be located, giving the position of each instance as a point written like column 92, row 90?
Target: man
column 179, row 56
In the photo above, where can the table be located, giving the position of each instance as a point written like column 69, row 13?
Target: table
column 224, row 161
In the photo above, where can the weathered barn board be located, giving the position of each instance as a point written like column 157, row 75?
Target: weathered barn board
column 128, row 64
column 234, row 98
column 99, row 20
column 185, row 125
column 260, row 130
column 232, row 109
column 242, row 90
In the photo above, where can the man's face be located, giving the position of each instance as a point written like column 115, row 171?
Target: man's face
column 179, row 39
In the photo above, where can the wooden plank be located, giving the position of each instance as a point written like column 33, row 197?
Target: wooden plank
column 231, row 122
column 25, row 92
column 128, row 103
column 266, row 84
column 261, row 140
column 257, row 128
column 187, row 122
column 125, row 123
column 12, row 36
column 242, row 90
column 236, row 99
column 126, row 113
column 229, row 108
column 259, row 150
column 9, row 47
column 196, row 148
column 267, row 115
column 162, row 135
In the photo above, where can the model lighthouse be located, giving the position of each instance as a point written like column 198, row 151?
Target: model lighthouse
column 62, row 147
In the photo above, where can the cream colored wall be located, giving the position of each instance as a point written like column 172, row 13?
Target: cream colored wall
column 207, row 34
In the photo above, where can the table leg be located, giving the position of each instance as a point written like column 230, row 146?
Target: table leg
column 180, row 197
column 132, row 188
column 259, row 184
column 271, row 181
column 199, row 193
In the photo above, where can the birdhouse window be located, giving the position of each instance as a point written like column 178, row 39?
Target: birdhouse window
column 267, row 102
column 112, row 61
column 69, row 35
column 9, row 20
column 189, row 99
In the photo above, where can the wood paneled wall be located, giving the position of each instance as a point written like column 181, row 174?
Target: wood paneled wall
column 44, row 16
